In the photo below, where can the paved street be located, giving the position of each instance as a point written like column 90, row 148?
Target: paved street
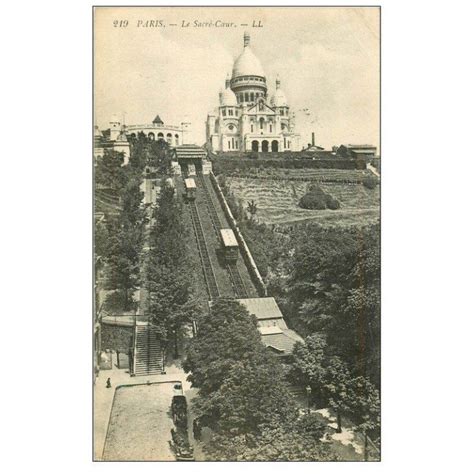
column 133, row 407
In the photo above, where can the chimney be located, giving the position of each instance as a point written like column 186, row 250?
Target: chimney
column 312, row 139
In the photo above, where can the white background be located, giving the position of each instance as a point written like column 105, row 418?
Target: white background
column 46, row 269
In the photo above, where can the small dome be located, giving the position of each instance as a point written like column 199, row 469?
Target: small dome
column 247, row 64
column 279, row 99
column 228, row 98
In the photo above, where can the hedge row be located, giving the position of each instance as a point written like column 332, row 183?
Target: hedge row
column 227, row 166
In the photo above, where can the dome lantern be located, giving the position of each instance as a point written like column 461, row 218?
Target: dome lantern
column 246, row 39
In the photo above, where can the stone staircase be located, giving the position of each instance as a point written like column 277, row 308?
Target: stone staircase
column 148, row 353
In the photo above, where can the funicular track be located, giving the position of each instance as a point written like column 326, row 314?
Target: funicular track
column 237, row 282
column 233, row 271
column 208, row 271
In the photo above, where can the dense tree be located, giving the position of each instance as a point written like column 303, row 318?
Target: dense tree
column 337, row 384
column 365, row 409
column 171, row 304
column 226, row 336
column 309, row 363
column 253, row 394
column 122, row 269
column 334, row 288
column 109, row 172
column 243, row 393
column 273, row 443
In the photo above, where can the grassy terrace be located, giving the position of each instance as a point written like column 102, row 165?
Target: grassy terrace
column 277, row 200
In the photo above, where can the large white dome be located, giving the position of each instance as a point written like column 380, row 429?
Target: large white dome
column 247, row 64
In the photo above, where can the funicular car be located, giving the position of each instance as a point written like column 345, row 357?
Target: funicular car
column 190, row 189
column 230, row 246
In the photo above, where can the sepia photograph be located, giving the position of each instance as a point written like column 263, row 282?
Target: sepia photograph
column 236, row 234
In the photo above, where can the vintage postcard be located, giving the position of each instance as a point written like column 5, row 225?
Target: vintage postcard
column 237, row 174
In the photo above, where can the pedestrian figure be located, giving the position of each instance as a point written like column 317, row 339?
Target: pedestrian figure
column 197, row 429
column 108, row 384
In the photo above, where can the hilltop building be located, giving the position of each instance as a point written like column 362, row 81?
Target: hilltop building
column 247, row 119
column 355, row 151
column 117, row 136
column 114, row 138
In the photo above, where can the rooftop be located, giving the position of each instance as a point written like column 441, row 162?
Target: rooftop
column 228, row 238
column 282, row 342
column 158, row 120
column 189, row 183
column 190, row 152
column 262, row 308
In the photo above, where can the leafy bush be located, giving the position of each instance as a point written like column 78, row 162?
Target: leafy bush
column 317, row 199
column 370, row 182
column 333, row 204
column 312, row 201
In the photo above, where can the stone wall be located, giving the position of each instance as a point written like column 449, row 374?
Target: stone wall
column 116, row 338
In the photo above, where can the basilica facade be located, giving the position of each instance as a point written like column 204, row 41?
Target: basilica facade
column 247, row 119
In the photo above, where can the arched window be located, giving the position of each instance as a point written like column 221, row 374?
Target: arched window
column 255, row 145
column 270, row 127
column 151, row 136
column 251, row 127
column 274, row 145
column 283, row 126
column 176, row 139
column 265, row 146
column 262, row 121
column 160, row 135
column 251, row 97
column 223, row 112
column 246, row 97
column 169, row 138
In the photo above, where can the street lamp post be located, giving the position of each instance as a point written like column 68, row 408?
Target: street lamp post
column 308, row 394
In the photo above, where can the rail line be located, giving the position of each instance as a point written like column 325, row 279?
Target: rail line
column 216, row 222
column 209, row 276
column 237, row 282
column 234, row 274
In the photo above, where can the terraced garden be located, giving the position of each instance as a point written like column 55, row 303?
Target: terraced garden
column 277, row 199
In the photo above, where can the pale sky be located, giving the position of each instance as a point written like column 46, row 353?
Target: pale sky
column 327, row 59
